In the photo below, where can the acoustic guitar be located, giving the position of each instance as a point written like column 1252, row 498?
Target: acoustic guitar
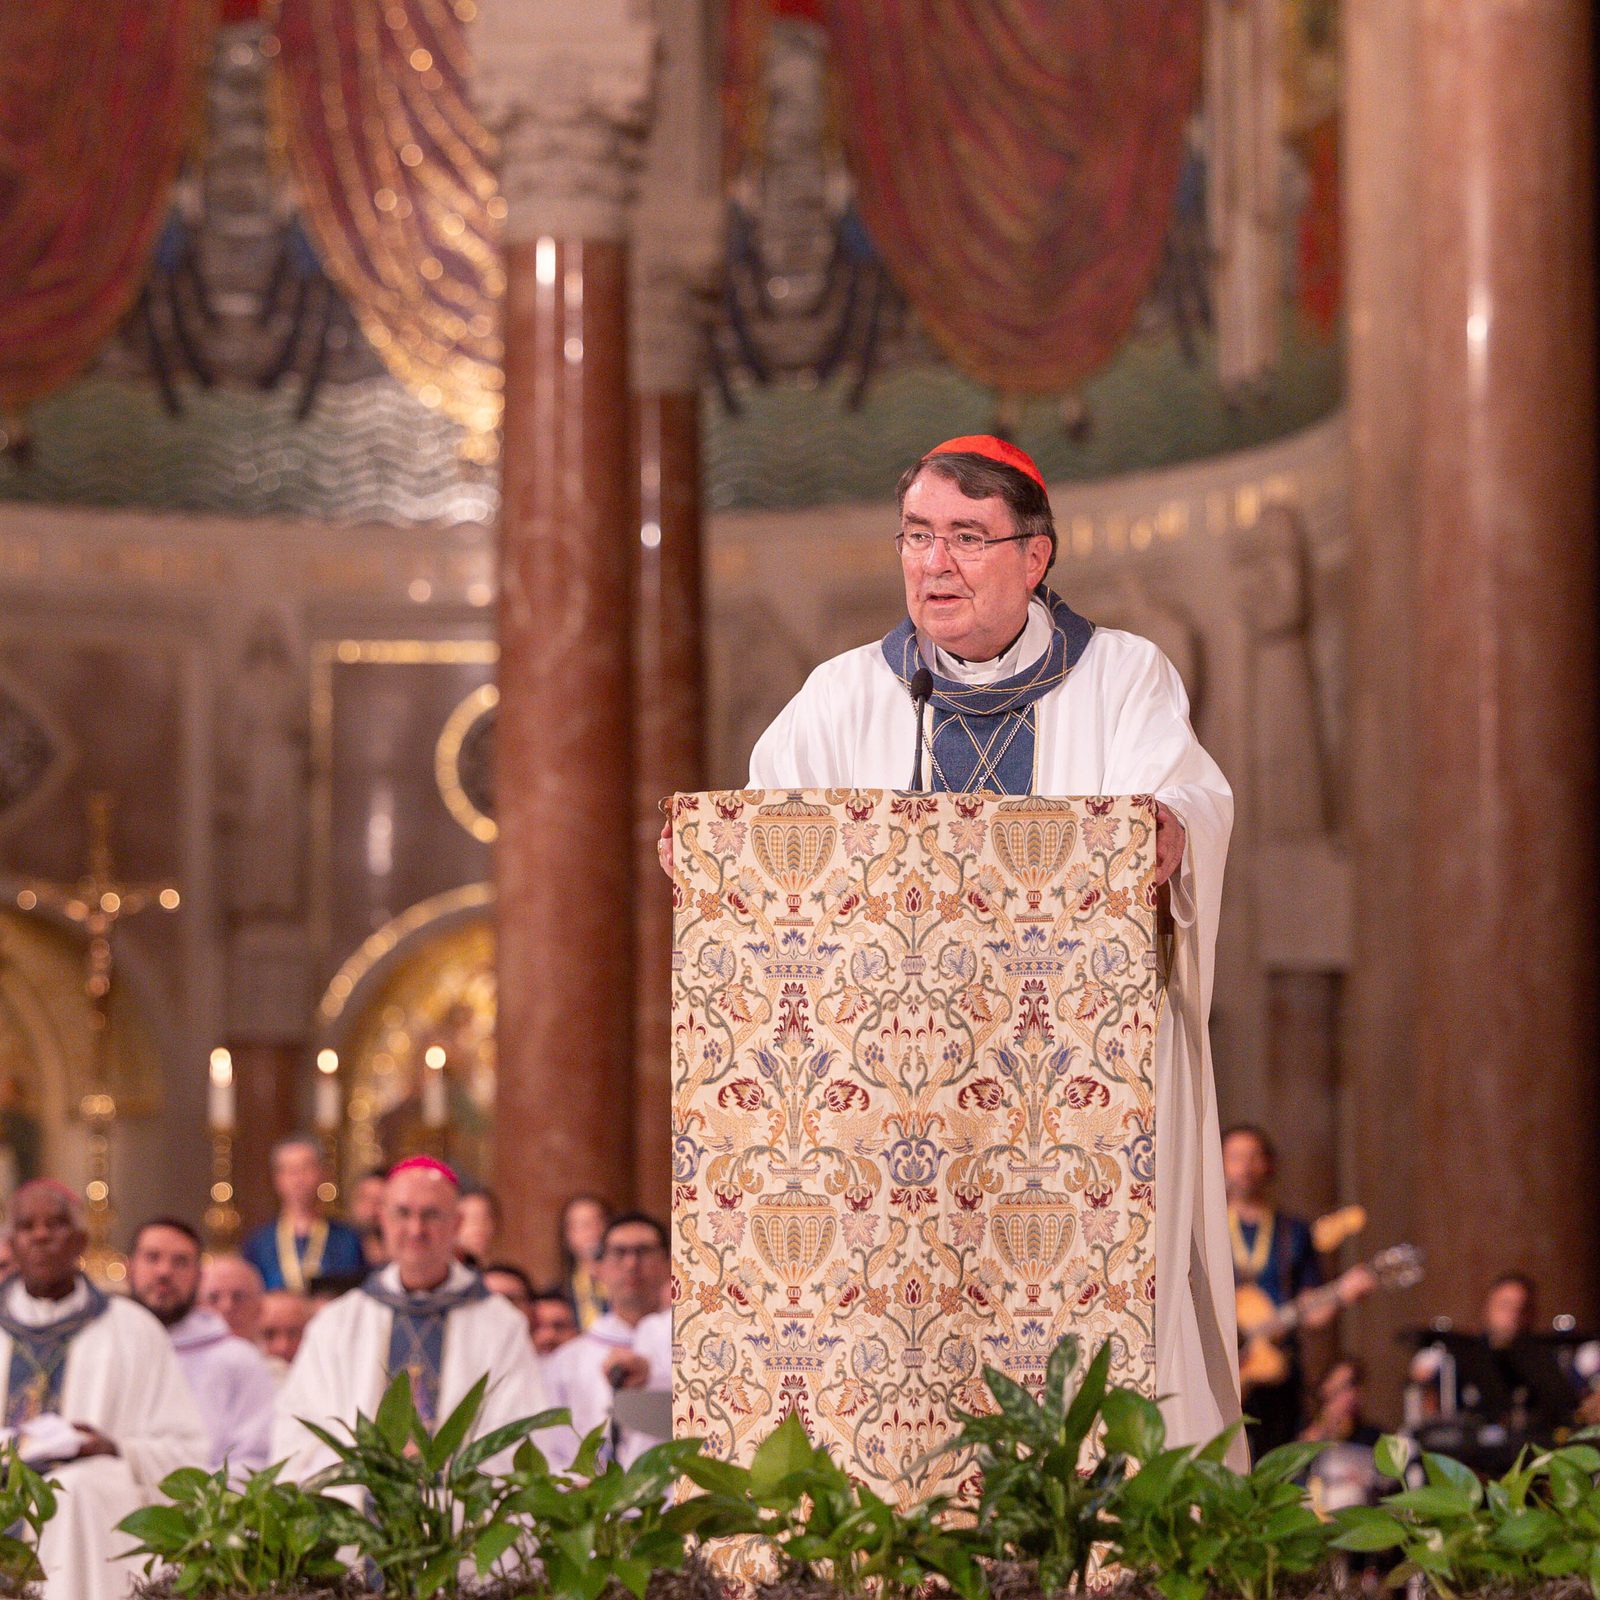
column 1263, row 1326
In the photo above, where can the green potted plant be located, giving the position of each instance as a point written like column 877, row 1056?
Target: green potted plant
column 218, row 1540
column 430, row 1507
column 1535, row 1528
column 828, row 1533
column 27, row 1503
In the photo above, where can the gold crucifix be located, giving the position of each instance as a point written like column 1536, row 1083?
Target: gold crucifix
column 97, row 902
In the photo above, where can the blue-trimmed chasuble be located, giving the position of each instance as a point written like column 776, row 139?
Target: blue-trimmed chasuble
column 983, row 736
column 416, row 1338
column 39, row 1358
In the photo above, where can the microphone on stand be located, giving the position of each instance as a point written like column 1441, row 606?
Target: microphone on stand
column 921, row 693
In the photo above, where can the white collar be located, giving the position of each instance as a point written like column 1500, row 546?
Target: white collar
column 1030, row 645
column 458, row 1278
column 32, row 1313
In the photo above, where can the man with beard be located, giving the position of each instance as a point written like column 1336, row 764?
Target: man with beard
column 99, row 1376
column 229, row 1376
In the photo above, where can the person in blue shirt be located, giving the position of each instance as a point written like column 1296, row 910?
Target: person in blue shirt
column 1273, row 1252
column 302, row 1243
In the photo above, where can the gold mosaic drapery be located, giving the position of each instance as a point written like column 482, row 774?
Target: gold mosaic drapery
column 370, row 106
column 913, row 1110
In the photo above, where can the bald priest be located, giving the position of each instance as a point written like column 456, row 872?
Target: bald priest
column 424, row 1313
column 93, row 1389
column 992, row 682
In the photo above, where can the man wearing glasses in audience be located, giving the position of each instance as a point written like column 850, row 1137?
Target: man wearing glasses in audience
column 630, row 1347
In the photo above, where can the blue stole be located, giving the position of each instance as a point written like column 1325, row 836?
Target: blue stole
column 983, row 737
column 39, row 1357
column 416, row 1338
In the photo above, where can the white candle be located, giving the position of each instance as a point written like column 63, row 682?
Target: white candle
column 435, row 1092
column 328, row 1100
column 219, row 1103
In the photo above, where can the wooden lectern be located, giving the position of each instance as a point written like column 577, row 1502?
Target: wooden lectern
column 913, row 1110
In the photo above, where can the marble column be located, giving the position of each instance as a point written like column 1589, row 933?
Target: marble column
column 1469, row 1020
column 1505, row 968
column 568, row 97
column 671, row 732
column 1384, row 399
column 677, row 237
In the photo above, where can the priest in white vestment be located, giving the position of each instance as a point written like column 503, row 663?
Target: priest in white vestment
column 425, row 1313
column 627, row 1347
column 232, row 1382
column 1020, row 695
column 96, row 1376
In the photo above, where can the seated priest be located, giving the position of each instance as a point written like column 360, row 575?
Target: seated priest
column 284, row 1315
column 94, row 1389
column 627, row 1347
column 992, row 682
column 231, row 1379
column 232, row 1288
column 425, row 1313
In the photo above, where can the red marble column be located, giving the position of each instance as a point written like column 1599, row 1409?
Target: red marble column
column 1505, row 965
column 670, row 745
column 564, row 861
column 1470, row 1025
column 1383, row 359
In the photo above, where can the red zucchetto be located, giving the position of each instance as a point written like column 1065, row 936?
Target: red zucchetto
column 985, row 444
column 426, row 1164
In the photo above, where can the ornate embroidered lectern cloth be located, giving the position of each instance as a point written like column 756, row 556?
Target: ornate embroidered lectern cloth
column 913, row 1114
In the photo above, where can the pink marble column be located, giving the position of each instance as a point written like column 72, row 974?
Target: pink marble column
column 1384, row 403
column 567, row 94
column 671, row 725
column 1505, row 962
column 564, row 861
column 1470, row 1019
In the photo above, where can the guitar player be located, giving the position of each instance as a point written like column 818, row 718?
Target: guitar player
column 1273, row 1252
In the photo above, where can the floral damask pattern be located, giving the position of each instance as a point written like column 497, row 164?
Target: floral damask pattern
column 913, row 1112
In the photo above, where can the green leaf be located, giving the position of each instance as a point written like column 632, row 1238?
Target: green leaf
column 493, row 1543
column 1134, row 1425
column 1085, row 1405
column 395, row 1412
column 1392, row 1455
column 1216, row 1449
column 452, row 1432
column 1433, row 1500
column 437, row 1573
column 1526, row 1529
column 784, row 1451
column 1443, row 1471
column 1287, row 1462
column 492, row 1443
column 1059, row 1368
column 720, row 1477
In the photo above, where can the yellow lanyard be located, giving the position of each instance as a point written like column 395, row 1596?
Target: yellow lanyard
column 1250, row 1263
column 298, row 1271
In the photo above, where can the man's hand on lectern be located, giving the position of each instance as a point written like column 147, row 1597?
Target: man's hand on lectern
column 1170, row 840
column 664, row 847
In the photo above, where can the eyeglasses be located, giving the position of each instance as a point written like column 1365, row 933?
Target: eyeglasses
column 964, row 544
column 635, row 1252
